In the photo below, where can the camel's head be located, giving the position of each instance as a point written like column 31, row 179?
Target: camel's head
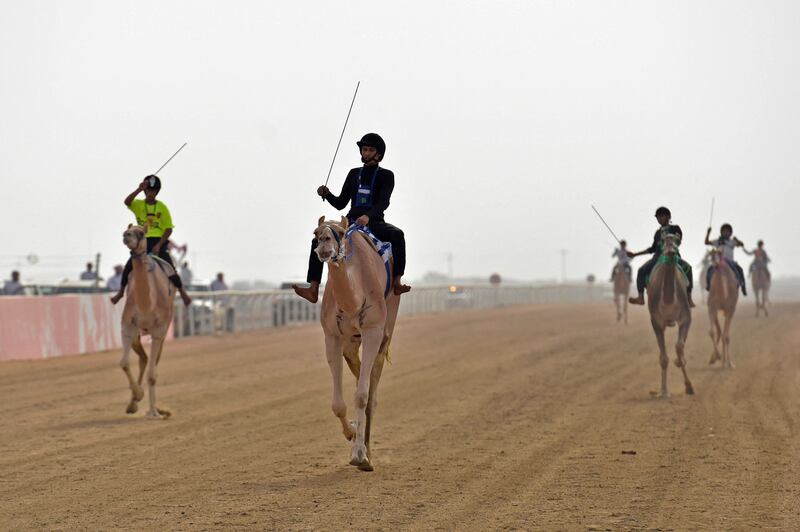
column 330, row 236
column 716, row 256
column 671, row 244
column 134, row 238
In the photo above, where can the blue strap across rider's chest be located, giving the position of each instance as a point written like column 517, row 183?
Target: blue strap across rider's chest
column 384, row 249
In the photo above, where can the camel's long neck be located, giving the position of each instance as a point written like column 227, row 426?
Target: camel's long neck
column 341, row 277
column 668, row 287
column 141, row 284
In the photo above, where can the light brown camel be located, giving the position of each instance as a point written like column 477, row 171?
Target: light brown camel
column 760, row 281
column 355, row 312
column 722, row 297
column 622, row 287
column 668, row 302
column 148, row 310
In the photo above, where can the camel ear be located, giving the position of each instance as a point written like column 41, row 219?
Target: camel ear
column 344, row 223
column 321, row 220
column 130, row 225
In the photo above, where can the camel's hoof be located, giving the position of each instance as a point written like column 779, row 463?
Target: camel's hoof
column 729, row 365
column 663, row 395
column 359, row 455
column 366, row 465
column 165, row 414
column 153, row 416
column 133, row 407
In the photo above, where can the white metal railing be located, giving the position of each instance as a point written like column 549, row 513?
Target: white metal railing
column 232, row 311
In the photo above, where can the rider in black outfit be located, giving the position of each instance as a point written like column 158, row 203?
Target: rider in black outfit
column 663, row 215
column 368, row 190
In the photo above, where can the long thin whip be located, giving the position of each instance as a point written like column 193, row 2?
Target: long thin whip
column 341, row 136
column 711, row 218
column 604, row 223
column 168, row 160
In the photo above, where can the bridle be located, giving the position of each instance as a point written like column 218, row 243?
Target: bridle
column 339, row 255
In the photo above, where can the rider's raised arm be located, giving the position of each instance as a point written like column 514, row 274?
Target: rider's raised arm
column 130, row 197
column 709, row 242
column 748, row 252
column 381, row 202
column 341, row 201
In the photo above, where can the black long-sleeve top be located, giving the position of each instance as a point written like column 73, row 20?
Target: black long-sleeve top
column 382, row 191
column 667, row 229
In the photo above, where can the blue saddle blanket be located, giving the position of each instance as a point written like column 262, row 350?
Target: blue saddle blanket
column 384, row 249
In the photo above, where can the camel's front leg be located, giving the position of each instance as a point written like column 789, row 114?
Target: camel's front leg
column 663, row 359
column 683, row 333
column 715, row 332
column 625, row 307
column 372, row 403
column 370, row 343
column 616, row 304
column 333, row 352
column 726, row 342
column 128, row 332
column 152, row 376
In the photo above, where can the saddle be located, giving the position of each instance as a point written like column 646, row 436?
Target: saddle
column 383, row 249
column 165, row 266
column 665, row 259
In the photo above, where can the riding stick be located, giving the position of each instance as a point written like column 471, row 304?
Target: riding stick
column 168, row 160
column 604, row 223
column 342, row 135
column 711, row 218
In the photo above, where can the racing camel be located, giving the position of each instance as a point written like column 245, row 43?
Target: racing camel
column 760, row 281
column 148, row 310
column 668, row 302
column 622, row 286
column 358, row 309
column 723, row 295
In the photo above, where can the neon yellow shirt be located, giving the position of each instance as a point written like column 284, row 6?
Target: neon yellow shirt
column 156, row 217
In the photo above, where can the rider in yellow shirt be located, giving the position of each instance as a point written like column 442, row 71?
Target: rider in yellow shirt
column 156, row 215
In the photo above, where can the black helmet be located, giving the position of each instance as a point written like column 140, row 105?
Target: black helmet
column 663, row 210
column 153, row 182
column 721, row 229
column 373, row 140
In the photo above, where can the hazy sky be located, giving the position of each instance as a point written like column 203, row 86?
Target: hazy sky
column 504, row 122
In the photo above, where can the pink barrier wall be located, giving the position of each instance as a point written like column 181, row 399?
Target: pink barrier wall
column 35, row 327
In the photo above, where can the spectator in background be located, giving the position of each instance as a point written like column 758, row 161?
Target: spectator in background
column 218, row 283
column 13, row 287
column 115, row 282
column 186, row 274
column 88, row 275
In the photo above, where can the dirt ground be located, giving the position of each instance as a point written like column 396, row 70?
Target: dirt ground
column 516, row 418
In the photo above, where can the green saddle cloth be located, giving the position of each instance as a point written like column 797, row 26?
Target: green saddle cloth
column 664, row 259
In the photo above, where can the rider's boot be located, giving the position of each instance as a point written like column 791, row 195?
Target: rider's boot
column 116, row 297
column 309, row 294
column 637, row 300
column 399, row 287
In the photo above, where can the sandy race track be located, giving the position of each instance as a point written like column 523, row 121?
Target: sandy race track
column 517, row 418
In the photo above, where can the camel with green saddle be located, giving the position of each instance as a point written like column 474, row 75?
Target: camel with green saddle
column 668, row 303
column 148, row 310
column 359, row 310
